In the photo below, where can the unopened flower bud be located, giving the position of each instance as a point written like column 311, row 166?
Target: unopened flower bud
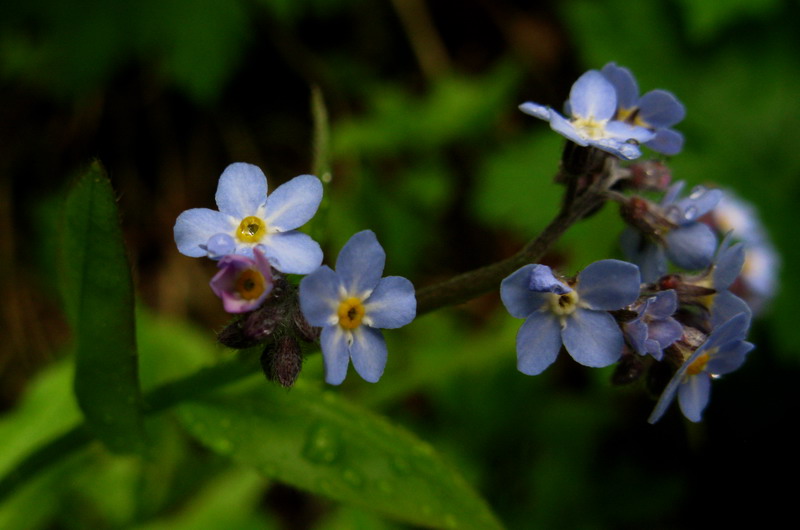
column 282, row 361
column 650, row 175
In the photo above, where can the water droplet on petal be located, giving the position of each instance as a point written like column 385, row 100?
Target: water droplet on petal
column 322, row 445
column 690, row 213
column 698, row 192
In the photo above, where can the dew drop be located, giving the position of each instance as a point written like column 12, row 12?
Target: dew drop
column 698, row 192
column 353, row 478
column 690, row 213
column 322, row 445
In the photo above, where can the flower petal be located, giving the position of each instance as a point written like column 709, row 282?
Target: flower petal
column 664, row 332
column 593, row 96
column 659, row 108
column 517, row 296
column 624, row 84
column 648, row 256
column 727, row 265
column 666, row 141
column 293, row 252
column 195, row 227
column 625, row 131
column 537, row 111
column 242, row 189
column 319, row 297
column 726, row 305
column 293, row 203
column 729, row 358
column 391, row 305
column 735, row 329
column 566, row 129
column 360, row 263
column 368, row 352
column 663, row 304
column 636, row 332
column 693, row 396
column 544, row 281
column 335, row 353
column 609, row 284
column 592, row 338
column 538, row 342
column 220, row 245
column 691, row 246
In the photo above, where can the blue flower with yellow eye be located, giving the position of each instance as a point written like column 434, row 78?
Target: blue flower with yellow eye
column 574, row 315
column 657, row 110
column 250, row 219
column 721, row 353
column 242, row 283
column 592, row 105
column 352, row 304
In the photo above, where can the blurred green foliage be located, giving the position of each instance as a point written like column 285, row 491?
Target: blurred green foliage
column 441, row 165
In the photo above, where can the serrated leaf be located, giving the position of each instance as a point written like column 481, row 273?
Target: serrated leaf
column 98, row 292
column 318, row 442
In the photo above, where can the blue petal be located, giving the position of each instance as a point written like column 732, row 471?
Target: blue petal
column 516, row 295
column 666, row 141
column 636, row 332
column 293, row 203
column 593, row 338
column 592, row 96
column 728, row 264
column 544, row 281
column 537, row 111
column 693, row 396
column 701, row 201
column 666, row 397
column 647, row 255
column 293, row 252
column 360, row 263
column 691, row 246
column 664, row 332
column 566, row 129
column 729, row 357
column 625, row 131
column 672, row 193
column 538, row 343
column 242, row 190
column 659, row 108
column 335, row 353
column 624, row 83
column 195, row 227
column 663, row 304
column 391, row 305
column 220, row 245
column 616, row 147
column 319, row 297
column 724, row 306
column 735, row 329
column 368, row 352
column 609, row 284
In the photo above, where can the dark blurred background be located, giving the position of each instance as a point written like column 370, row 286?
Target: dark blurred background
column 429, row 150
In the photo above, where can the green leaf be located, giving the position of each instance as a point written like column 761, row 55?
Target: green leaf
column 98, row 292
column 318, row 442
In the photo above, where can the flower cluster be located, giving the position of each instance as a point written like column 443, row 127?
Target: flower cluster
column 254, row 237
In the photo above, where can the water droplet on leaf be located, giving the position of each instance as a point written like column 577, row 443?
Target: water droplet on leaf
column 322, row 445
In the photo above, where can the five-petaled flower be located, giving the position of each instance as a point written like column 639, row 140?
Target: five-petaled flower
column 722, row 352
column 248, row 218
column 593, row 105
column 573, row 314
column 657, row 110
column 242, row 282
column 654, row 328
column 352, row 303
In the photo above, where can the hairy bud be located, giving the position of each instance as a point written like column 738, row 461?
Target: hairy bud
column 282, row 361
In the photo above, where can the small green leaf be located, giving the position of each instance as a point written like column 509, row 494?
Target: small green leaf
column 320, row 443
column 98, row 292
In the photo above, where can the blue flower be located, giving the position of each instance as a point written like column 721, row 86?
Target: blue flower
column 654, row 329
column 681, row 238
column 592, row 105
column 248, row 218
column 352, row 303
column 573, row 314
column 723, row 351
column 657, row 110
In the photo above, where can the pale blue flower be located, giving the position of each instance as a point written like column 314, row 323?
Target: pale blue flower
column 351, row 305
column 723, row 351
column 657, row 110
column 575, row 315
column 248, row 218
column 654, row 328
column 592, row 105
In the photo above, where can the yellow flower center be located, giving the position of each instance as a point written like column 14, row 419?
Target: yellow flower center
column 590, row 128
column 250, row 284
column 351, row 311
column 251, row 229
column 699, row 364
column 563, row 304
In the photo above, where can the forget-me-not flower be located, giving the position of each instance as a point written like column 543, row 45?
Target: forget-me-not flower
column 687, row 242
column 575, row 315
column 351, row 305
column 248, row 218
column 593, row 105
column 657, row 110
column 723, row 351
column 242, row 282
column 654, row 328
